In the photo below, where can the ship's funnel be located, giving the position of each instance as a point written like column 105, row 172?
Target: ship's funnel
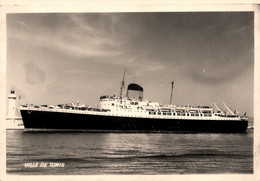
column 135, row 91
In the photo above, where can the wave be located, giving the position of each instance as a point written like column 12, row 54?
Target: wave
column 167, row 156
column 189, row 155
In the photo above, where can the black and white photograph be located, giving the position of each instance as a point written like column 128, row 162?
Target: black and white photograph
column 131, row 92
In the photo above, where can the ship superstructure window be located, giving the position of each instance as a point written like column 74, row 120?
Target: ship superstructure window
column 181, row 114
column 192, row 114
column 207, row 115
column 134, row 103
column 152, row 113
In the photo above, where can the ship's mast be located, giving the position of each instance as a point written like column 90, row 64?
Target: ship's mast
column 122, row 85
column 218, row 108
column 171, row 92
column 229, row 110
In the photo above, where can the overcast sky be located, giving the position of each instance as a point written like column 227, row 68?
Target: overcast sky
column 60, row 58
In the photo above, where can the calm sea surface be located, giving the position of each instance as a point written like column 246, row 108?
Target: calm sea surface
column 127, row 153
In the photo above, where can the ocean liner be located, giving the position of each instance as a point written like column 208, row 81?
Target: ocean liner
column 132, row 114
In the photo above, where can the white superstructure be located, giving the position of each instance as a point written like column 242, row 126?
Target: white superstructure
column 131, row 107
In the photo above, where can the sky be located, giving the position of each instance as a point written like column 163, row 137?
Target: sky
column 55, row 58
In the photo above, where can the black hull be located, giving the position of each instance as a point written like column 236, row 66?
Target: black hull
column 45, row 120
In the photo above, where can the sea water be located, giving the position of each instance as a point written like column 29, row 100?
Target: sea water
column 30, row 153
